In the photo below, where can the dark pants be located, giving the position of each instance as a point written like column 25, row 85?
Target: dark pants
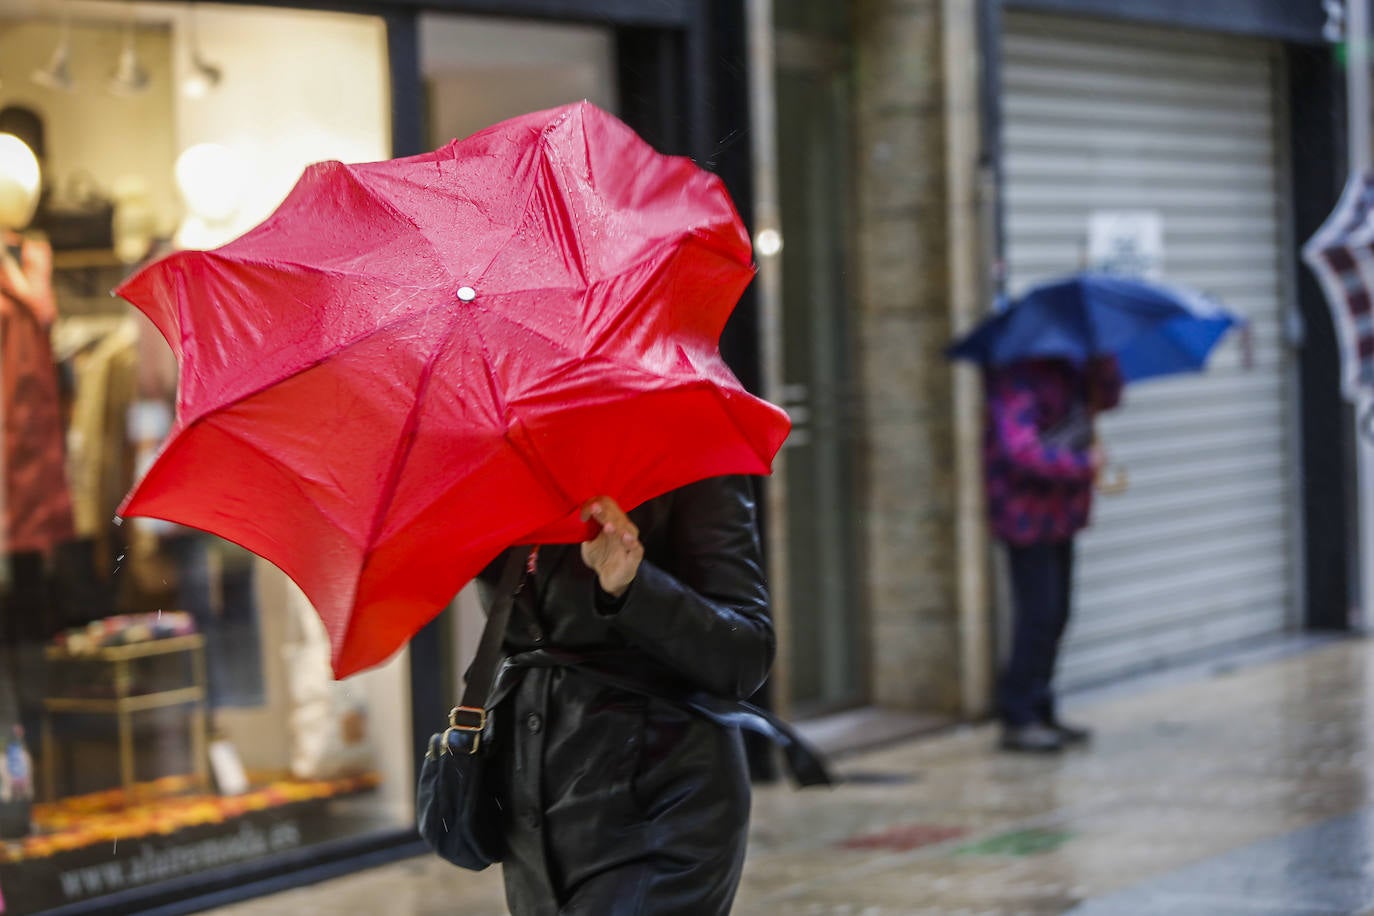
column 1042, row 585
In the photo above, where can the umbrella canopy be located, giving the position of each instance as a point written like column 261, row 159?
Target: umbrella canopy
column 1341, row 254
column 414, row 364
column 1150, row 329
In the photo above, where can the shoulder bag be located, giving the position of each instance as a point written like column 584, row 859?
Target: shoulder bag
column 456, row 811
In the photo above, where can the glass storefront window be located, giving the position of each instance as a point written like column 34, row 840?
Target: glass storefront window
column 166, row 702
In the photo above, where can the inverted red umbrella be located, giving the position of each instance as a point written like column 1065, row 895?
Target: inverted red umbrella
column 414, row 364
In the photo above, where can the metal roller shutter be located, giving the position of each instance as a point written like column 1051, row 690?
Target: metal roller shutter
column 1199, row 552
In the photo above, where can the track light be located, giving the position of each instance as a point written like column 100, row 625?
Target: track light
column 57, row 74
column 204, row 75
column 129, row 77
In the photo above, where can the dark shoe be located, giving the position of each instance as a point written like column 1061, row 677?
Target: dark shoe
column 1031, row 739
column 1071, row 734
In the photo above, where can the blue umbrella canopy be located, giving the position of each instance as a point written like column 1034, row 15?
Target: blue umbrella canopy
column 1151, row 329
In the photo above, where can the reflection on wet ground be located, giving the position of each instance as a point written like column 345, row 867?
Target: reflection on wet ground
column 1246, row 791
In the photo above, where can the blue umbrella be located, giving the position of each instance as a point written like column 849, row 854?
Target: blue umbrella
column 1152, row 330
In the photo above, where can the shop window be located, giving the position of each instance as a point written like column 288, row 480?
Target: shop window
column 166, row 703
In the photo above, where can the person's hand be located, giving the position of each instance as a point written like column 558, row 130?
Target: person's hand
column 1097, row 459
column 615, row 553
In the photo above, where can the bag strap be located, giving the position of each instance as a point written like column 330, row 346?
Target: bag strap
column 470, row 715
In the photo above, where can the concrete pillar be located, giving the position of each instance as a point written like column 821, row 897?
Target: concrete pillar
column 919, row 258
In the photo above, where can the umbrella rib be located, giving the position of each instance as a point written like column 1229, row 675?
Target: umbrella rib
column 281, row 562
column 524, row 212
column 406, row 441
column 624, row 316
column 383, row 201
column 406, row 444
column 611, row 358
column 313, row 364
column 279, row 263
column 272, row 459
column 555, row 166
column 505, row 246
column 743, row 433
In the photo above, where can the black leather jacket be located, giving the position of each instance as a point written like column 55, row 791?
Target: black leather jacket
column 616, row 803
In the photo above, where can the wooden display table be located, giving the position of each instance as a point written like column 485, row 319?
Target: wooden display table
column 118, row 662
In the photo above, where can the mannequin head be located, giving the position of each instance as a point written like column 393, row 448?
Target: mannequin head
column 19, row 183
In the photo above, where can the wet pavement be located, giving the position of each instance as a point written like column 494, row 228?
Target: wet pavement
column 1246, row 789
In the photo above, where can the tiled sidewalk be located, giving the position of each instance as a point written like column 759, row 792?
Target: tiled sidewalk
column 1242, row 792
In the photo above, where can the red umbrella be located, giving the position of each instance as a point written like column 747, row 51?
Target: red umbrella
column 414, row 364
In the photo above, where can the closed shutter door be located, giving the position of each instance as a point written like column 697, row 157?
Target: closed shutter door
column 1198, row 553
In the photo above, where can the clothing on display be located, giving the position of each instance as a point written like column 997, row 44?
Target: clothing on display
column 102, row 352
column 330, row 737
column 38, row 506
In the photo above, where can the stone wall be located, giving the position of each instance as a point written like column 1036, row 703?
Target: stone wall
column 925, row 561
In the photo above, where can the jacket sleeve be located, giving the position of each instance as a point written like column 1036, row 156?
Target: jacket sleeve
column 707, row 618
column 1011, row 409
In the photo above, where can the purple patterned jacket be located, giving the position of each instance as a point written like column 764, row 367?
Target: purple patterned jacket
column 1038, row 492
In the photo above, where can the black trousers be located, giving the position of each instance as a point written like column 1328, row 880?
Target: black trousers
column 1042, row 587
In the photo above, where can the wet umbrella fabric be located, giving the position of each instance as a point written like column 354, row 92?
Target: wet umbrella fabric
column 414, row 364
column 1341, row 254
column 1152, row 330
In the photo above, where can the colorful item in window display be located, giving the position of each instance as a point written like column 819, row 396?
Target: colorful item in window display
column 16, row 769
column 16, row 787
column 126, row 629
column 161, row 808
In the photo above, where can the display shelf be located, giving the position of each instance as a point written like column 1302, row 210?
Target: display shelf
column 87, row 259
column 127, row 700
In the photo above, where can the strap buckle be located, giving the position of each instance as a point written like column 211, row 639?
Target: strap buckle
column 475, row 729
column 454, row 713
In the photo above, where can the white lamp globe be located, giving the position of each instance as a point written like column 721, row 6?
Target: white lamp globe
column 20, row 178
column 210, row 178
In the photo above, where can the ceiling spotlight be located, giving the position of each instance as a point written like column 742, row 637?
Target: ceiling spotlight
column 129, row 77
column 202, row 78
column 58, row 73
column 204, row 75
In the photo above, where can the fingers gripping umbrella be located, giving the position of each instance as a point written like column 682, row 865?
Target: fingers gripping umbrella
column 1150, row 329
column 412, row 365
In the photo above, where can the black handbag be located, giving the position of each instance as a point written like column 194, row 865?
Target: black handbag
column 456, row 811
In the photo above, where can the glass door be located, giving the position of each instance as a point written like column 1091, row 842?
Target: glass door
column 825, row 606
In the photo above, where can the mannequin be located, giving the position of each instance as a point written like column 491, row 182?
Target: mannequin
column 37, row 502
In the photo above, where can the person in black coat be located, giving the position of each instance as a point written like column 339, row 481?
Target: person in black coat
column 617, row 802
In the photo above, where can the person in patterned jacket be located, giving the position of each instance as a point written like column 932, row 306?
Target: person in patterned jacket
column 1041, row 461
